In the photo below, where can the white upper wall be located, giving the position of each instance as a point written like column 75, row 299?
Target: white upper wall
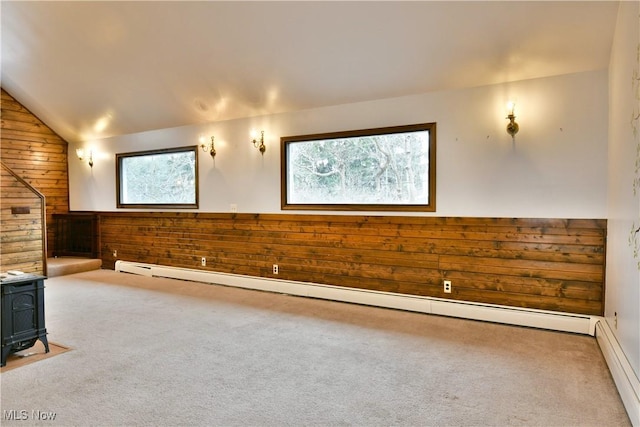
column 622, row 297
column 556, row 168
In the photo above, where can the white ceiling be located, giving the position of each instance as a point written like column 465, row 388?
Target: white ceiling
column 97, row 69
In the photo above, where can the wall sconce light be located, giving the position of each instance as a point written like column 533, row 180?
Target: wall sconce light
column 80, row 154
column 210, row 147
column 258, row 144
column 512, row 126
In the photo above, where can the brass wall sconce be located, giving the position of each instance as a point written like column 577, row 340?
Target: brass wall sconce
column 208, row 147
column 80, row 154
column 512, row 126
column 258, row 144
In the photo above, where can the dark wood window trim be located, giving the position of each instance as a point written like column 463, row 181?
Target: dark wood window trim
column 428, row 205
column 119, row 196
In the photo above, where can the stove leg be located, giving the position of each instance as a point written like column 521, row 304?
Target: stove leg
column 45, row 342
column 5, row 353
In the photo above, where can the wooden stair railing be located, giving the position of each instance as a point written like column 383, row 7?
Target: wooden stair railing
column 17, row 233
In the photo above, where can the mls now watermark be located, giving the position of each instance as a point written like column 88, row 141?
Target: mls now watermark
column 24, row 415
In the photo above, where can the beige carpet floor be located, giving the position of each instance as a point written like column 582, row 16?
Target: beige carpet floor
column 161, row 352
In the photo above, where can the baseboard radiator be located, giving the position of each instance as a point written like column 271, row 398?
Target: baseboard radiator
column 576, row 323
column 626, row 380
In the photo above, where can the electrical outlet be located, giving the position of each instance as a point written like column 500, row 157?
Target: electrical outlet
column 275, row 269
column 615, row 320
column 203, row 261
column 115, row 253
column 447, row 286
column 233, row 207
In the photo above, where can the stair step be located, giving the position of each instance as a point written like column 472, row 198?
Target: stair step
column 61, row 266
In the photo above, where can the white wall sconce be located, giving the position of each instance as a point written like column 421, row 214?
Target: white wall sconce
column 80, row 154
column 258, row 144
column 208, row 146
column 512, row 126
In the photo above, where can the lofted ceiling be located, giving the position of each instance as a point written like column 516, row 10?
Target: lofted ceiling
column 98, row 69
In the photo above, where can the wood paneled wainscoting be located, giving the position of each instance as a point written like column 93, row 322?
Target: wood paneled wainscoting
column 549, row 264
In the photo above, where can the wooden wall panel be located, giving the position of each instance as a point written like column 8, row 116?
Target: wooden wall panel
column 551, row 264
column 36, row 154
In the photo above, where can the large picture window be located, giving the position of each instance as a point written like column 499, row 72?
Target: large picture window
column 389, row 168
column 165, row 178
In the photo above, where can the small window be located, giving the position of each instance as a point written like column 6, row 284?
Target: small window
column 385, row 169
column 165, row 178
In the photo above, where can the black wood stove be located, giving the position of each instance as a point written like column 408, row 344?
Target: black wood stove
column 22, row 313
